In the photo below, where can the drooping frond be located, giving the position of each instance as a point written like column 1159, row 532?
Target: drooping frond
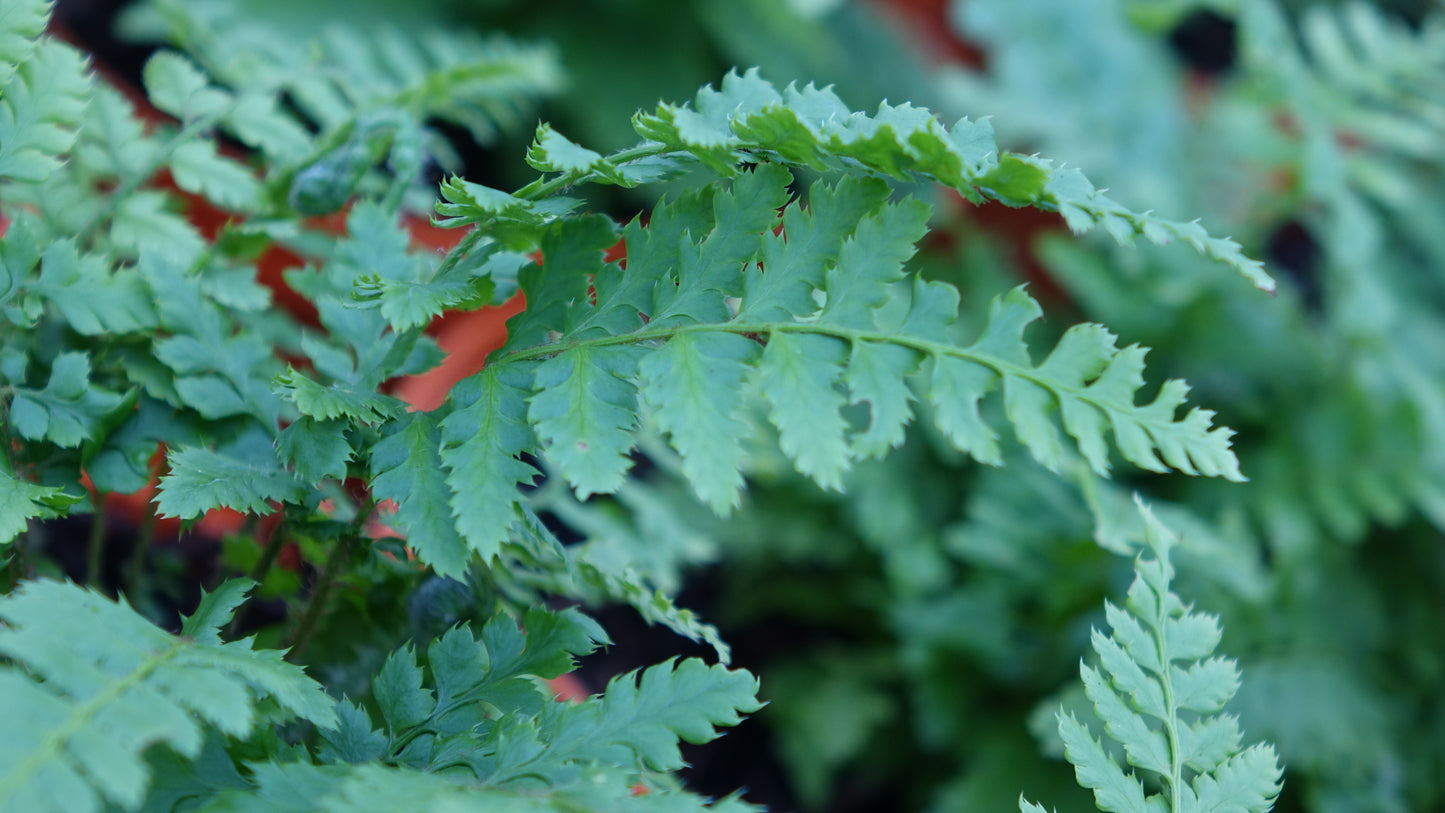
column 1159, row 693
column 90, row 686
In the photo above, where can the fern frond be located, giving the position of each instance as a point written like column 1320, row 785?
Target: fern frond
column 371, row 788
column 41, row 103
column 406, row 467
column 811, row 309
column 21, row 501
column 69, row 410
column 1159, row 693
column 21, row 24
column 427, row 727
column 638, row 720
column 91, row 685
column 748, row 118
column 246, row 475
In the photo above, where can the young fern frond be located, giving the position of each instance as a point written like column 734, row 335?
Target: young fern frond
column 1159, row 694
column 90, row 685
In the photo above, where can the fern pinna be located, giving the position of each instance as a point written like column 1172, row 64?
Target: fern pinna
column 1159, row 694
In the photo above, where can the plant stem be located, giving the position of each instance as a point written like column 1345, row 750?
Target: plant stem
column 259, row 571
column 136, row 568
column 273, row 547
column 96, row 548
column 135, row 575
column 316, row 604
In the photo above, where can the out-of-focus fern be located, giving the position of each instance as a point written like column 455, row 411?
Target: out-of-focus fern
column 370, row 84
column 90, row 685
column 1159, row 694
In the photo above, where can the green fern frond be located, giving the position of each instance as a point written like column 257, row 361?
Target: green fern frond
column 638, row 720
column 246, row 475
column 430, row 728
column 406, row 467
column 70, row 409
column 21, row 24
column 1159, row 695
column 91, row 686
column 21, row 501
column 41, row 103
column 748, row 118
column 370, row 788
column 812, row 309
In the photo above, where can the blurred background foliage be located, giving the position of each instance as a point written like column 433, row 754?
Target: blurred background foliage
column 914, row 635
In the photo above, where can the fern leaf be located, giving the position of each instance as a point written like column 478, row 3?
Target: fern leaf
column 335, row 400
column 91, row 297
column 175, row 85
column 316, row 450
column 799, row 374
column 639, row 718
column 98, row 685
column 21, row 501
column 796, row 261
column 42, row 105
column 812, row 126
column 406, row 467
column 1158, row 694
column 694, row 387
column 143, row 224
column 425, row 727
column 828, row 298
column 21, row 24
column 482, row 437
column 247, row 477
column 198, row 167
column 70, row 409
column 412, row 303
column 584, row 413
